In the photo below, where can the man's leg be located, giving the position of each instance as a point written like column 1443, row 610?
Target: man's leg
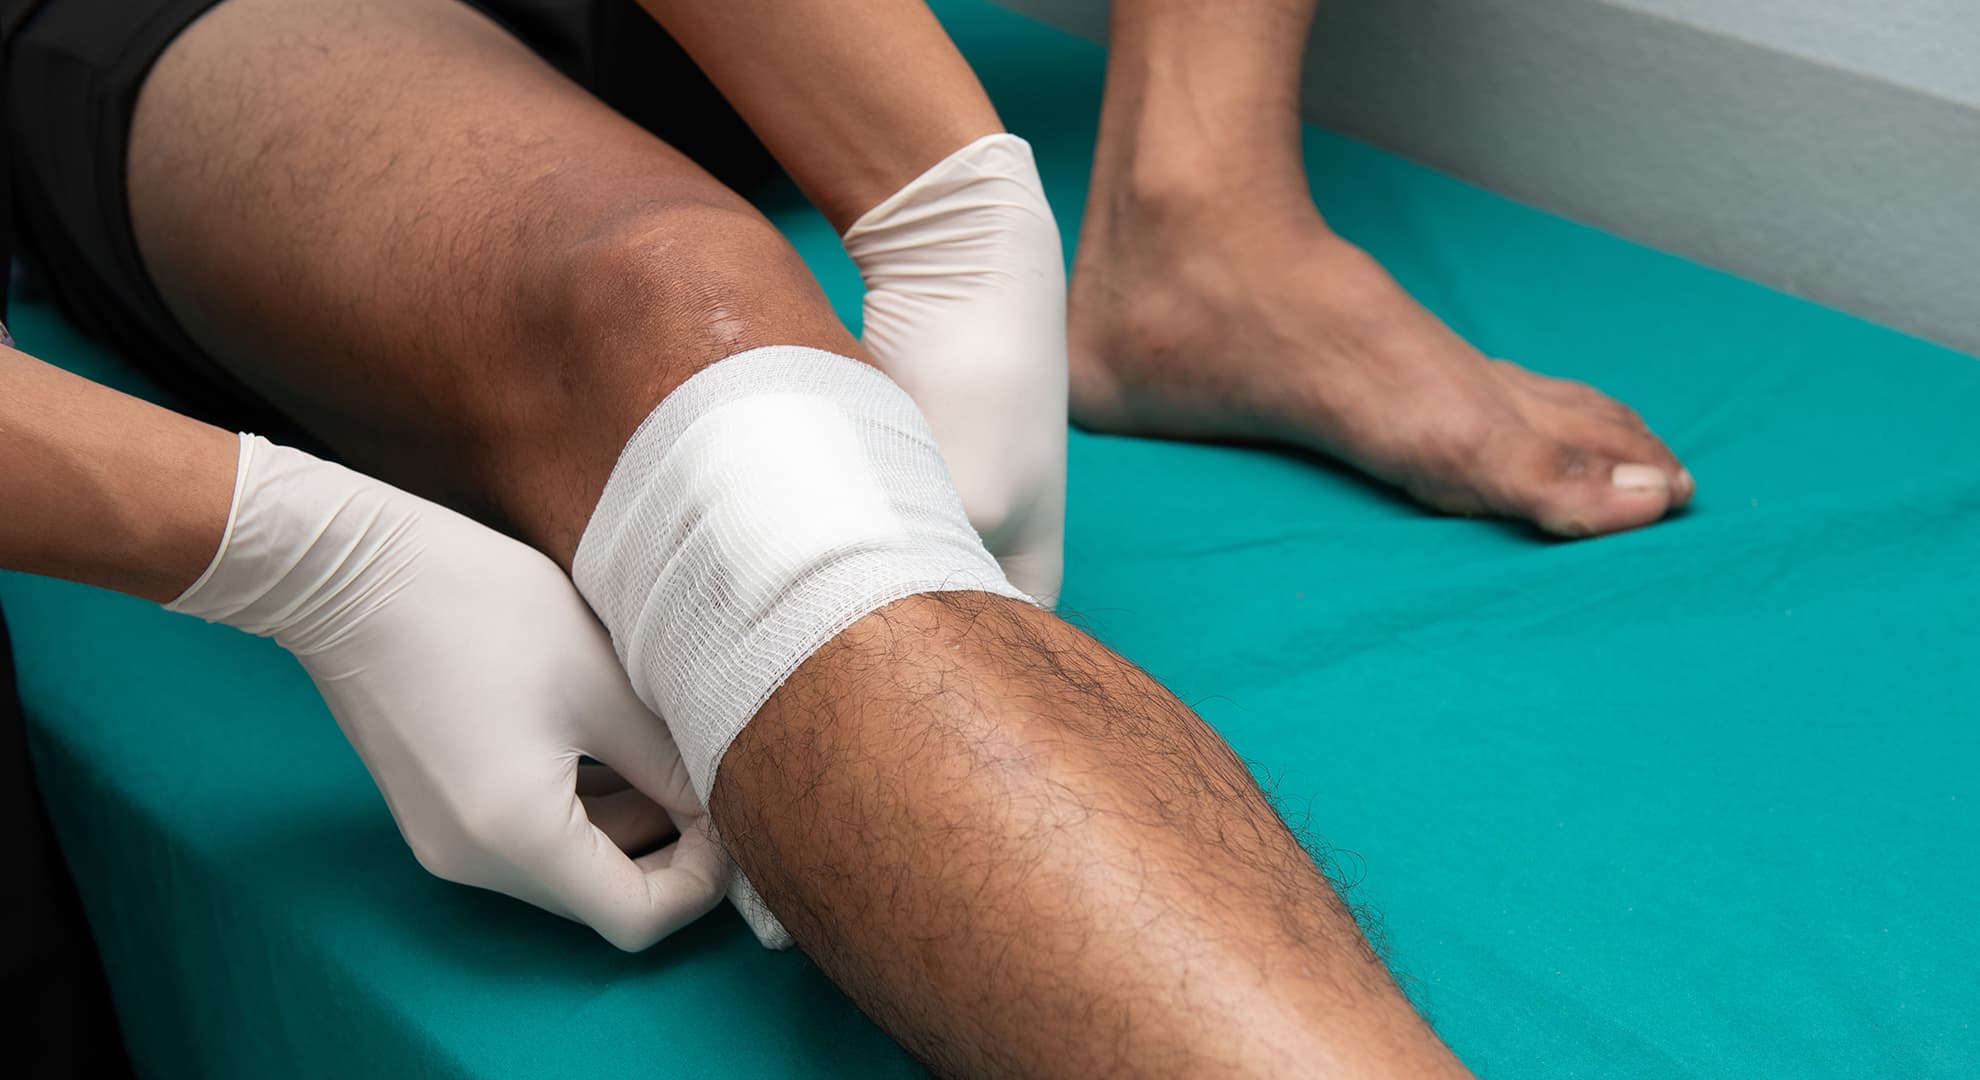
column 1025, row 857
column 440, row 256
column 1209, row 300
column 1012, row 848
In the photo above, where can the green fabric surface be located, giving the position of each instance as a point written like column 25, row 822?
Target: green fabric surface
column 1698, row 800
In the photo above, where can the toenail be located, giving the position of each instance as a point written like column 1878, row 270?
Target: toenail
column 1640, row 478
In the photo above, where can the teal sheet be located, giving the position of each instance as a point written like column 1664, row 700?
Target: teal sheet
column 1694, row 801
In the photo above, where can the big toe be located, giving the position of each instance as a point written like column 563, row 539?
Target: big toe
column 1579, row 413
column 1577, row 487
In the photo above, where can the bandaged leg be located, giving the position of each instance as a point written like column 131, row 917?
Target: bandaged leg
column 966, row 310
column 767, row 504
column 1014, row 851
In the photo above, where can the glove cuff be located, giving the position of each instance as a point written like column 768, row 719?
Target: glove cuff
column 301, row 536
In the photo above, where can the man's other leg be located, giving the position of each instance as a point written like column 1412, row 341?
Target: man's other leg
column 1209, row 300
column 469, row 276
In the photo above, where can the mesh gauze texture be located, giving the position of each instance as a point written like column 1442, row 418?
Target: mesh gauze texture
column 771, row 501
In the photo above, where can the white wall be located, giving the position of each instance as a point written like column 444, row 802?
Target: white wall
column 1931, row 45
column 1827, row 147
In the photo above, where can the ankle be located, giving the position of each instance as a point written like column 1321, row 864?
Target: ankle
column 1173, row 171
column 1164, row 136
column 1183, row 162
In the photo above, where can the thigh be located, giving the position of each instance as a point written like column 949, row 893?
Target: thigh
column 437, row 253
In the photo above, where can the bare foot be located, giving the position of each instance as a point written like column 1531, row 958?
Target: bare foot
column 1192, row 318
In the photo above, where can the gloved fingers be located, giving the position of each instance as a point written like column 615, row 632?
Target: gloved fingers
column 634, row 822
column 636, row 744
column 584, row 875
column 1038, row 574
column 694, row 853
column 594, row 779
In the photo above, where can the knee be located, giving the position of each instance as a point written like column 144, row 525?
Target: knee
column 651, row 294
column 611, row 318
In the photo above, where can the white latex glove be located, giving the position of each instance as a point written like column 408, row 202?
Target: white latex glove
column 471, row 678
column 966, row 310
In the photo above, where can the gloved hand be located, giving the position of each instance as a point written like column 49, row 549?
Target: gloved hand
column 471, row 678
column 966, row 310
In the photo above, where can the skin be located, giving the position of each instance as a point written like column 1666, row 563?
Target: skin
column 1015, row 851
column 1211, row 301
column 1024, row 857
column 855, row 100
column 121, row 493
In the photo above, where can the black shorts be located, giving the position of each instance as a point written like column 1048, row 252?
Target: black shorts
column 73, row 69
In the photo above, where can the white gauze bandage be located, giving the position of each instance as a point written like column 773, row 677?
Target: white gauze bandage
column 770, row 502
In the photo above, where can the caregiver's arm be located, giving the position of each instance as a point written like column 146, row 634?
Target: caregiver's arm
column 462, row 665
column 100, row 487
column 854, row 100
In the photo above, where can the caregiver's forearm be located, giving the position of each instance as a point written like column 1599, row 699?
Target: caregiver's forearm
column 854, row 100
column 100, row 487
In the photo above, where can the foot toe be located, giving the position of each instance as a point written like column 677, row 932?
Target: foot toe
column 1573, row 491
column 1621, row 439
